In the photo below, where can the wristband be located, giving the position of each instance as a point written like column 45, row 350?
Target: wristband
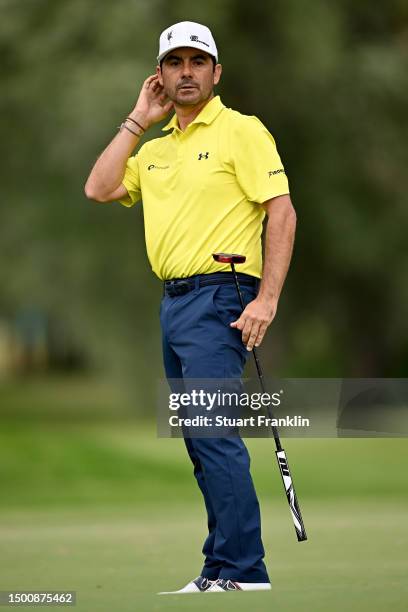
column 138, row 124
column 123, row 125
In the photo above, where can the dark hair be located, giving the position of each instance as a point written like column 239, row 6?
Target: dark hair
column 212, row 57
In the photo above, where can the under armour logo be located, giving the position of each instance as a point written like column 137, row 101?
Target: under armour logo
column 203, row 155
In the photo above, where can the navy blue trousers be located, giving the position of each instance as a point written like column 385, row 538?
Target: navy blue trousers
column 198, row 343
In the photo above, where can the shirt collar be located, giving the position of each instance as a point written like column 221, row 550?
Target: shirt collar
column 206, row 115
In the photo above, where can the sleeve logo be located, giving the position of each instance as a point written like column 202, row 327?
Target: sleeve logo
column 273, row 172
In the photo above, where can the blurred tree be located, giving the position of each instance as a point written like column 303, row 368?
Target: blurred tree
column 330, row 81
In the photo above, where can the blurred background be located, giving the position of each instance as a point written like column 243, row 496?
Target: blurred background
column 80, row 356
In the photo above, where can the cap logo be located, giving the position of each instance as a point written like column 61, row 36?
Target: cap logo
column 194, row 38
column 170, row 35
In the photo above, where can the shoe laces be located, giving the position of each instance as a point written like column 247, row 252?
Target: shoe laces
column 227, row 585
column 206, row 583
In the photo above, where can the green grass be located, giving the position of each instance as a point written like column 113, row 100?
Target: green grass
column 106, row 508
column 54, row 464
column 355, row 558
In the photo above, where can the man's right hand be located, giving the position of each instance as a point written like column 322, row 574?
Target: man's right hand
column 152, row 105
column 105, row 182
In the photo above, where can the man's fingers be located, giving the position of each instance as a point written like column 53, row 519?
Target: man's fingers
column 238, row 323
column 253, row 323
column 246, row 332
column 249, row 339
column 249, row 329
column 252, row 331
column 156, row 87
column 261, row 332
column 150, row 80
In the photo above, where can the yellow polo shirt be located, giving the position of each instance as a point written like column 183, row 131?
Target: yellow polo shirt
column 202, row 191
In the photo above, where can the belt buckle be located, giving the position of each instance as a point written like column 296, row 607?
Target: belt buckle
column 177, row 287
column 181, row 287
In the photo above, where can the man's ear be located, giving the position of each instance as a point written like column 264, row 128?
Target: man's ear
column 217, row 73
column 159, row 74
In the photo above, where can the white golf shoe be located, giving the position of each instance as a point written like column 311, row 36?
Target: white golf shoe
column 199, row 585
column 222, row 586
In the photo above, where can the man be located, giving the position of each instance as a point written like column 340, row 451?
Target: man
column 206, row 186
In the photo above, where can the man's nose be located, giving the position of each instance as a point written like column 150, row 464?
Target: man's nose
column 187, row 69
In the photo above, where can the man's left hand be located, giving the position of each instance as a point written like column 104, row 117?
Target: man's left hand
column 254, row 321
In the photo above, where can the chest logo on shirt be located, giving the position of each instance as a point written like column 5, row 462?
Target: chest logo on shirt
column 154, row 167
column 203, row 155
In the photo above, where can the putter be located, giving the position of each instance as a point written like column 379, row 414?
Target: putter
column 232, row 259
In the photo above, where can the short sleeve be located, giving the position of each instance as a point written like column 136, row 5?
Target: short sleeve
column 131, row 181
column 257, row 164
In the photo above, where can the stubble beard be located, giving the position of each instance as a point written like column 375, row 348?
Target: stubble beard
column 193, row 99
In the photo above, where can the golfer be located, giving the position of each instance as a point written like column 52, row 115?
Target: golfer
column 206, row 186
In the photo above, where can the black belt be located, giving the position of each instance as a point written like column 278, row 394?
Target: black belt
column 180, row 286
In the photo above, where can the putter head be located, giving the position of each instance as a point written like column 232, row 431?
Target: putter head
column 229, row 258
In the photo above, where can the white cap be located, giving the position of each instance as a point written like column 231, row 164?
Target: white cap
column 187, row 34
